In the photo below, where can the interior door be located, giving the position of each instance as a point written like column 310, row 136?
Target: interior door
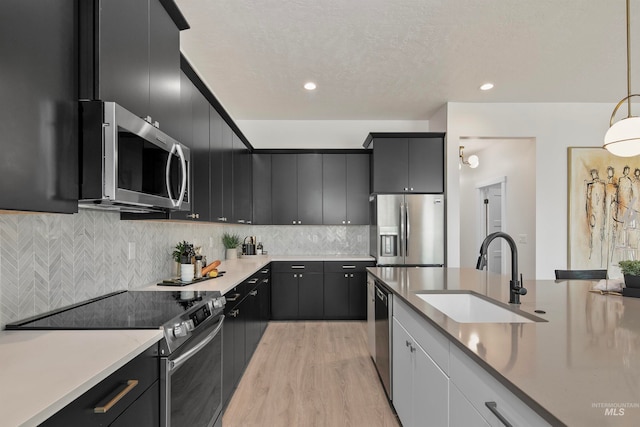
column 425, row 229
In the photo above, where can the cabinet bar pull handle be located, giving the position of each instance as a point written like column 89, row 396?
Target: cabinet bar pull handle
column 103, row 409
column 253, row 281
column 265, row 271
column 233, row 298
column 349, row 266
column 253, row 293
column 298, row 267
column 493, row 407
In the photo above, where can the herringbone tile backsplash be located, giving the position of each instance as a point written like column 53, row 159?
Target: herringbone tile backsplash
column 49, row 261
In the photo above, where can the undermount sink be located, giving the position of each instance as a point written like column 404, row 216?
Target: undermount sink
column 466, row 307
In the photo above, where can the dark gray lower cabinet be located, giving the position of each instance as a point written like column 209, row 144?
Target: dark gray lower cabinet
column 245, row 322
column 317, row 290
column 139, row 407
column 345, row 290
column 296, row 291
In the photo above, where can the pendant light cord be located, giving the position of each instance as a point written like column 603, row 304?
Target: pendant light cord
column 628, row 60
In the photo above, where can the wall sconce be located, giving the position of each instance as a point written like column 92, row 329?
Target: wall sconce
column 472, row 161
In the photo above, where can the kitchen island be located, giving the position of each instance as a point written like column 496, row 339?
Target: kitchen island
column 579, row 366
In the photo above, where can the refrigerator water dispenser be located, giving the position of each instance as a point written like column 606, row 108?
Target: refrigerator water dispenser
column 389, row 245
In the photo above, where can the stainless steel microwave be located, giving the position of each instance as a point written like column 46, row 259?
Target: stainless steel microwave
column 129, row 165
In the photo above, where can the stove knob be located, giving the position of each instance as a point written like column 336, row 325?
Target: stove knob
column 180, row 330
column 189, row 325
column 219, row 302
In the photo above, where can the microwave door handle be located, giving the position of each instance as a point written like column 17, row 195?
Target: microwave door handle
column 183, row 163
column 168, row 174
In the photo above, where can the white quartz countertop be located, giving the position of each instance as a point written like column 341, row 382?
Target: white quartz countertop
column 43, row 371
column 238, row 270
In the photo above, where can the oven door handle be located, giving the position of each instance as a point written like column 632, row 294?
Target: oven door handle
column 180, row 360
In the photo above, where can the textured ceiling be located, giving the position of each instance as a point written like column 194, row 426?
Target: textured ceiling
column 403, row 59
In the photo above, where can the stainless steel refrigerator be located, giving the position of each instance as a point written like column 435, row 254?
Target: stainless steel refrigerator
column 407, row 229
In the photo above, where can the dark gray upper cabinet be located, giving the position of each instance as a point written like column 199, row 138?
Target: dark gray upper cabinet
column 345, row 189
column 164, row 69
column 296, row 189
column 284, row 189
column 242, row 182
column 309, row 189
column 334, row 190
column 39, row 110
column 227, row 172
column 130, row 54
column 215, row 156
column 358, row 188
column 200, row 182
column 261, row 196
column 408, row 163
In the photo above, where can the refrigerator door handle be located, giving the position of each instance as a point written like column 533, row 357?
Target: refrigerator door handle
column 403, row 234
column 408, row 225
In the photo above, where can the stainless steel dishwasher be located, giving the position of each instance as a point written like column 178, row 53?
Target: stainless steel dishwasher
column 384, row 314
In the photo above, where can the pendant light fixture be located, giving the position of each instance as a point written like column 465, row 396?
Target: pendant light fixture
column 623, row 137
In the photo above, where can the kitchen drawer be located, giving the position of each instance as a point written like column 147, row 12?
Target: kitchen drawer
column 432, row 341
column 480, row 387
column 347, row 266
column 297, row 267
column 144, row 369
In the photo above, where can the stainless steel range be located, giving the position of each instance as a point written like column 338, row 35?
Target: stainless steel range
column 190, row 353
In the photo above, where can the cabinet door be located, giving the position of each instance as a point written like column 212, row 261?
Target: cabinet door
column 216, row 160
column 227, row 172
column 358, row 295
column 284, row 189
column 334, row 189
column 123, row 74
column 261, row 188
column 430, row 390
column 358, row 188
column 336, row 295
column 310, row 296
column 229, row 379
column 284, row 296
column 239, row 341
column 309, row 189
column 265, row 303
column 241, row 182
column 402, row 375
column 200, row 186
column 251, row 307
column 426, row 165
column 144, row 412
column 38, row 112
column 164, row 69
column 461, row 412
column 390, row 165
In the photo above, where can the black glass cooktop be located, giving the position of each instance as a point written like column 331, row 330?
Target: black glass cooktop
column 119, row 310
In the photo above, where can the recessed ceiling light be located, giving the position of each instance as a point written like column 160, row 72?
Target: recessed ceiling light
column 310, row 86
column 486, row 86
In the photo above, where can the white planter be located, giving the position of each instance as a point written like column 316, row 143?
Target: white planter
column 232, row 253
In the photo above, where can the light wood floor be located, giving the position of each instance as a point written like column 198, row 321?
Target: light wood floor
column 311, row 374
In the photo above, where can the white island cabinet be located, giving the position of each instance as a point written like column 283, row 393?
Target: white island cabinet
column 420, row 387
column 436, row 384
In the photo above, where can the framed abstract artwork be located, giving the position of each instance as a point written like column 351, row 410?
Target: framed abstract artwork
column 604, row 201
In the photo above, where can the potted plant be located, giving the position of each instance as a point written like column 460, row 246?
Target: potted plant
column 181, row 248
column 631, row 271
column 231, row 243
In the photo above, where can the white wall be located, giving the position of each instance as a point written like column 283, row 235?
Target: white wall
column 321, row 134
column 513, row 159
column 554, row 128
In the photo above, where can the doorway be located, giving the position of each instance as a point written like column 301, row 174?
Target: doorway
column 491, row 197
